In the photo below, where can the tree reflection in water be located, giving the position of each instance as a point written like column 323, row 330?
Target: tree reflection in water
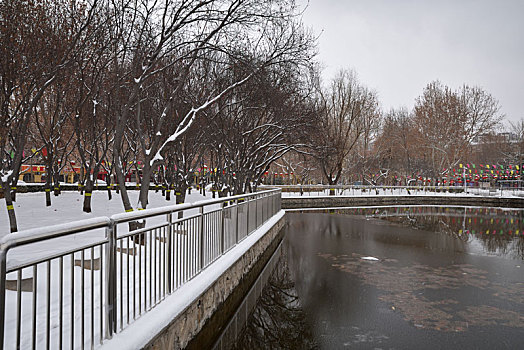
column 500, row 231
column 278, row 321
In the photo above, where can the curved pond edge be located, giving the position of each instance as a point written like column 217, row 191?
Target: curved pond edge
column 320, row 202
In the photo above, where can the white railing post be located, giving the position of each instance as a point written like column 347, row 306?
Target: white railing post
column 201, row 234
column 236, row 221
column 256, row 211
column 110, row 279
column 222, row 230
column 247, row 215
column 3, row 269
column 169, row 253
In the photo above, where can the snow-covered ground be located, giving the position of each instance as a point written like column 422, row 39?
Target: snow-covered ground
column 31, row 211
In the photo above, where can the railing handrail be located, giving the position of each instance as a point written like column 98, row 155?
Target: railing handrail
column 39, row 234
column 145, row 213
column 457, row 189
column 459, row 186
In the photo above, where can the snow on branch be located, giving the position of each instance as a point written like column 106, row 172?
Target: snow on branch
column 190, row 117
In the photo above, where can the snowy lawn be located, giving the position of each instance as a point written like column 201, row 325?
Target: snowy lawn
column 31, row 211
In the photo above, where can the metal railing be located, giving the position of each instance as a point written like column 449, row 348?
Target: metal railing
column 74, row 285
column 364, row 190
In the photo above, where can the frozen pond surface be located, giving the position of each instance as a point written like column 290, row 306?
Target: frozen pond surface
column 444, row 278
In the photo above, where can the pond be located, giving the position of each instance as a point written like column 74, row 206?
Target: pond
column 395, row 277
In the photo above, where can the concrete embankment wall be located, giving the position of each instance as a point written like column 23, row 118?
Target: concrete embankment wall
column 348, row 201
column 212, row 297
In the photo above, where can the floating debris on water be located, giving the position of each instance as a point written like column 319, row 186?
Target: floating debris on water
column 370, row 258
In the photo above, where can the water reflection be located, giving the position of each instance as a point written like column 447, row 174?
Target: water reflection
column 433, row 285
column 500, row 231
column 278, row 321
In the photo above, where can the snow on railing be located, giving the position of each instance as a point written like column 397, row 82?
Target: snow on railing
column 365, row 190
column 75, row 285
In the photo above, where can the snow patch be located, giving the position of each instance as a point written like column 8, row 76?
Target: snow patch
column 155, row 158
column 33, row 213
column 369, row 258
column 6, row 176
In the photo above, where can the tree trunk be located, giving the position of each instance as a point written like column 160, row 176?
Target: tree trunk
column 81, row 180
column 121, row 182
column 180, row 197
column 13, row 192
column 247, row 186
column 47, row 189
column 203, row 186
column 109, row 186
column 117, row 187
column 47, row 185
column 133, row 225
column 144, row 188
column 10, row 208
column 56, row 188
column 87, row 195
column 331, row 185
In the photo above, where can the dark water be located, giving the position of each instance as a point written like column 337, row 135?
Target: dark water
column 445, row 278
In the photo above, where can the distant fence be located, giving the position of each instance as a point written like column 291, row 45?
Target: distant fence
column 75, row 285
column 361, row 190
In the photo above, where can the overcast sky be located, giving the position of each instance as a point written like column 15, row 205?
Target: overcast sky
column 398, row 46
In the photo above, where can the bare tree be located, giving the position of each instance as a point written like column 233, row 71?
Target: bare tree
column 396, row 145
column 54, row 133
column 91, row 86
column 345, row 112
column 180, row 37
column 518, row 146
column 141, row 81
column 258, row 124
column 448, row 121
column 38, row 40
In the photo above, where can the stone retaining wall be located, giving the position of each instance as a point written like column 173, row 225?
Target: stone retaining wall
column 347, row 201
